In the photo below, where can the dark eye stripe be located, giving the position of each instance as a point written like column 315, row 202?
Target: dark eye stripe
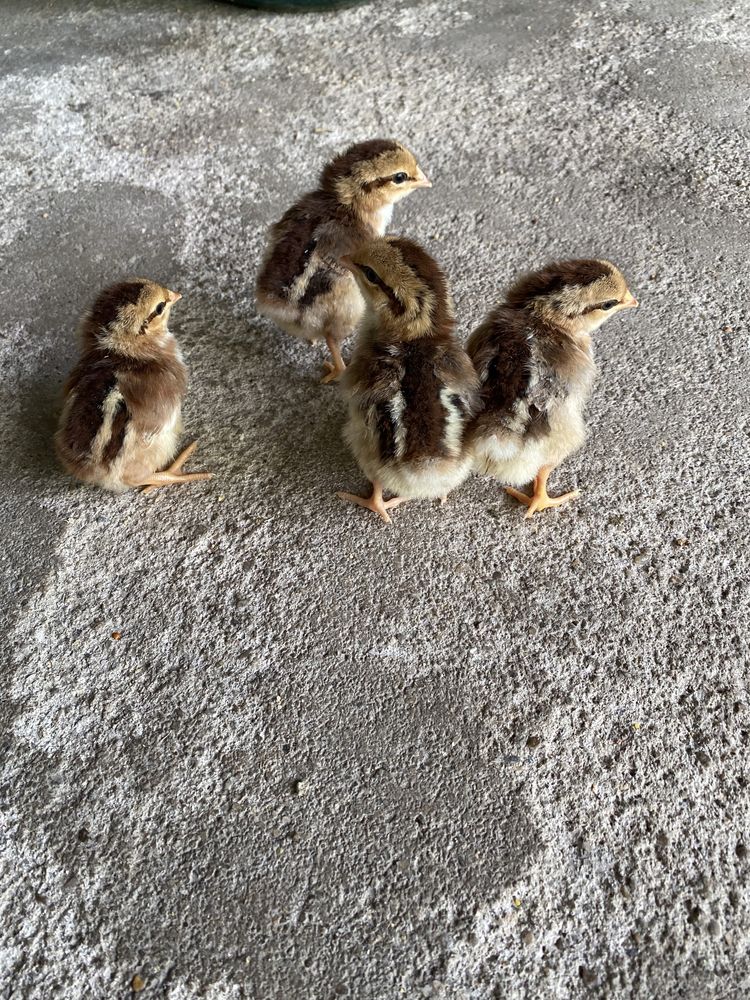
column 397, row 306
column 609, row 304
column 157, row 312
column 382, row 181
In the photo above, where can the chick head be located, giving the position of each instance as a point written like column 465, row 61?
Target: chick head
column 403, row 286
column 131, row 317
column 578, row 295
column 373, row 173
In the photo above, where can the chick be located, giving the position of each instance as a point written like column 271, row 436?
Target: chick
column 534, row 358
column 121, row 417
column 411, row 387
column 301, row 286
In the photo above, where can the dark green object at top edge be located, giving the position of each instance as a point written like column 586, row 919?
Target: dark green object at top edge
column 296, row 6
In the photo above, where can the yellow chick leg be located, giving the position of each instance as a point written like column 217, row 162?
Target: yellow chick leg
column 169, row 477
column 375, row 501
column 540, row 499
column 335, row 367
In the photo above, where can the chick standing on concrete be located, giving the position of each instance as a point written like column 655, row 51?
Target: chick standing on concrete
column 411, row 387
column 121, row 419
column 534, row 358
column 301, row 286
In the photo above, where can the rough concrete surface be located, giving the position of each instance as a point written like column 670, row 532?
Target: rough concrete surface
column 464, row 756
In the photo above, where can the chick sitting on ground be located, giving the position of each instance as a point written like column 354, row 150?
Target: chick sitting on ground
column 410, row 385
column 301, row 285
column 121, row 418
column 534, row 358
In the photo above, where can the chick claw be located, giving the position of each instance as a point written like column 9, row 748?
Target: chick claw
column 171, row 475
column 541, row 500
column 374, row 502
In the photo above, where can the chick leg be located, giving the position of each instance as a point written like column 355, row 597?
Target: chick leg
column 375, row 501
column 335, row 367
column 540, row 499
column 169, row 479
column 170, row 475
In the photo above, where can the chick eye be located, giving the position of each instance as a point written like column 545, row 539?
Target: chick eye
column 400, row 177
column 370, row 275
column 609, row 304
column 160, row 308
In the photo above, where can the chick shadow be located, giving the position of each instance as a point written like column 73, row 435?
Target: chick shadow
column 298, row 419
column 31, row 451
column 262, row 339
column 30, row 473
column 323, row 456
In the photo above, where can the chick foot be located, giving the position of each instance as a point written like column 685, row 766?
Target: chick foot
column 169, row 479
column 375, row 501
column 172, row 476
column 540, row 499
column 336, row 367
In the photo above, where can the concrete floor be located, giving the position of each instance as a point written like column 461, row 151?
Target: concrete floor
column 462, row 757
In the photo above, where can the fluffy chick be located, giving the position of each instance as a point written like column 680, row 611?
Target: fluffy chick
column 534, row 358
column 301, row 286
column 121, row 417
column 410, row 385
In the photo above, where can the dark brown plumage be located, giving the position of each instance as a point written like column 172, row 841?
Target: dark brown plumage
column 533, row 355
column 121, row 418
column 300, row 285
column 411, row 387
column 554, row 277
column 343, row 166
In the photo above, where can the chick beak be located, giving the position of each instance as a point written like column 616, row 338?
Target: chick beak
column 421, row 180
column 347, row 262
column 630, row 301
column 174, row 296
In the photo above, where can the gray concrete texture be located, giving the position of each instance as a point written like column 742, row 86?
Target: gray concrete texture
column 464, row 756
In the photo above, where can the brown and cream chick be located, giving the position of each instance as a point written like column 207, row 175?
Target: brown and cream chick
column 121, row 421
column 534, row 358
column 301, row 285
column 411, row 388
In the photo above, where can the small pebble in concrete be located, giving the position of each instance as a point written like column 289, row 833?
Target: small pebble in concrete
column 588, row 977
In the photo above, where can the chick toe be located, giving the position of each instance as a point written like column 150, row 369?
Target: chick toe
column 543, row 501
column 175, row 468
column 336, row 367
column 374, row 502
column 333, row 370
column 540, row 500
column 172, row 479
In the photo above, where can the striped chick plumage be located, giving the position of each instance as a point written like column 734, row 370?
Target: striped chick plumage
column 411, row 387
